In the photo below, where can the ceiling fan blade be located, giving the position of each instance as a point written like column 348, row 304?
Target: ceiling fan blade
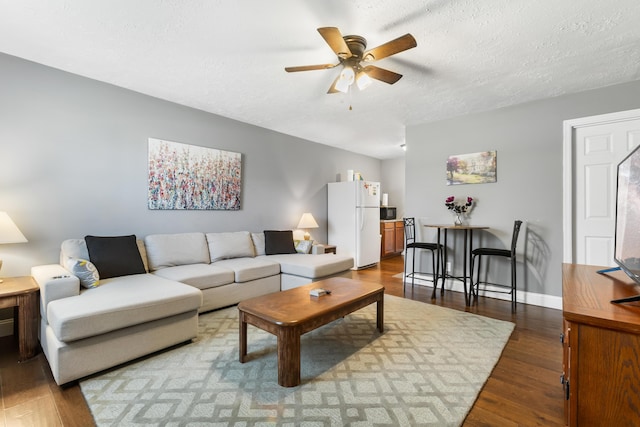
column 382, row 74
column 310, row 67
column 334, row 39
column 390, row 48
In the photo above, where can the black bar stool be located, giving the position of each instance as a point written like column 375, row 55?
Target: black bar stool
column 504, row 253
column 436, row 255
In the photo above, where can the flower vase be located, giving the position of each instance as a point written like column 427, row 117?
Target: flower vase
column 457, row 219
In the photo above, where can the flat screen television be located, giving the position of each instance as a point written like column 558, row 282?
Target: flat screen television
column 627, row 229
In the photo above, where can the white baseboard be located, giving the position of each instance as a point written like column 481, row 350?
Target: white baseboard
column 6, row 327
column 531, row 298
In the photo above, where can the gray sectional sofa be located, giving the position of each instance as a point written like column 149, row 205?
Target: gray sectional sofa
column 87, row 330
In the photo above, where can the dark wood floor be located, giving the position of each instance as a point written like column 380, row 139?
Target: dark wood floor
column 523, row 390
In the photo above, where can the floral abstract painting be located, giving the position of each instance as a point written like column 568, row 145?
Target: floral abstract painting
column 183, row 176
column 474, row 168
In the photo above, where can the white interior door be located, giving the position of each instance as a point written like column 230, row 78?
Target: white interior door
column 597, row 151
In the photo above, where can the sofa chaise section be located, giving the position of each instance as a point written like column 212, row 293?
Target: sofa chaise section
column 297, row 270
column 86, row 331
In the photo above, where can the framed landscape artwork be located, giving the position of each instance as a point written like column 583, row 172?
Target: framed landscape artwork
column 474, row 168
column 183, row 176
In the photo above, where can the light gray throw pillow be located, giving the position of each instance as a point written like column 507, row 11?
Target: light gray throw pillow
column 169, row 250
column 258, row 243
column 230, row 245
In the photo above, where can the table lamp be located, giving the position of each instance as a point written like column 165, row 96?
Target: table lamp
column 9, row 232
column 307, row 221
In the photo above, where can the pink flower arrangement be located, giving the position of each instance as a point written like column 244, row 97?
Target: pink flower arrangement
column 450, row 203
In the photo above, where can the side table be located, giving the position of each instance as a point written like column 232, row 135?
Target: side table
column 329, row 249
column 22, row 292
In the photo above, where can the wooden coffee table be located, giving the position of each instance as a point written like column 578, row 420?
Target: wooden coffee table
column 291, row 313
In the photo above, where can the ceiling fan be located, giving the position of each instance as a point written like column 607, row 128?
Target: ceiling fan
column 352, row 55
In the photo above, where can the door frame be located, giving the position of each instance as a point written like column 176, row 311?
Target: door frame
column 568, row 142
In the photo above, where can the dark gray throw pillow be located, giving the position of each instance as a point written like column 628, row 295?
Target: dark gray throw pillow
column 278, row 242
column 115, row 256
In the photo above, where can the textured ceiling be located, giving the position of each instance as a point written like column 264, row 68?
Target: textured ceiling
column 228, row 56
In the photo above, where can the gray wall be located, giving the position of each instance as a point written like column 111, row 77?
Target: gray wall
column 528, row 139
column 74, row 162
column 393, row 171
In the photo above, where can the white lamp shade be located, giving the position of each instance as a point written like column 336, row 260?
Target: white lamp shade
column 363, row 80
column 307, row 221
column 9, row 232
column 346, row 78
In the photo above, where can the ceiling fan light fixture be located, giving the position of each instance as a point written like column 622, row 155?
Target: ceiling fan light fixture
column 363, row 80
column 347, row 76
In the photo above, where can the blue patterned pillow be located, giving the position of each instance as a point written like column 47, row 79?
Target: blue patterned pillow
column 85, row 271
column 303, row 246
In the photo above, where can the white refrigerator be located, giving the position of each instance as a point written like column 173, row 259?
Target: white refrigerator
column 354, row 220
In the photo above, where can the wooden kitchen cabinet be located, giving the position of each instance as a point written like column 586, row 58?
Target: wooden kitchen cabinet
column 392, row 238
column 601, row 343
column 399, row 236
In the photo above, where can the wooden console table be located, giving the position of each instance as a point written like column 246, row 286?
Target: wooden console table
column 22, row 293
column 601, row 358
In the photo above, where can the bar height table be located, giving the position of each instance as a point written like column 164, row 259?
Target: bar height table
column 468, row 247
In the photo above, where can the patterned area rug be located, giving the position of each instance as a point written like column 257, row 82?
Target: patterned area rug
column 427, row 368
